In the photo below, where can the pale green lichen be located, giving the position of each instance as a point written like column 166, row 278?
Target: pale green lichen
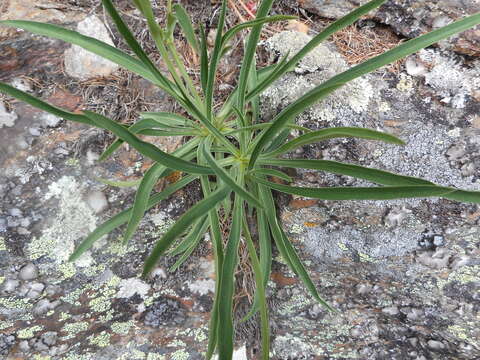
column 405, row 84
column 29, row 333
column 463, row 275
column 3, row 246
column 122, row 328
column 5, row 324
column 74, row 162
column 200, row 335
column 67, row 269
column 74, row 220
column 180, row 355
column 466, row 333
column 100, row 340
column 73, row 329
column 2, row 279
column 296, row 229
column 14, row 303
column 72, row 297
column 155, row 356
column 41, row 357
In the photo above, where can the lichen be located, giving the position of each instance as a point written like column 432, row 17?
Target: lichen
column 180, row 355
column 73, row 220
column 29, row 333
column 3, row 246
column 73, row 329
column 122, row 328
column 462, row 275
column 100, row 340
column 14, row 303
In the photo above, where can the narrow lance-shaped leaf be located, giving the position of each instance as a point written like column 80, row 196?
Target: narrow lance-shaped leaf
column 147, row 149
column 264, row 328
column 214, row 59
column 331, row 133
column 272, row 172
column 187, row 28
column 336, row 26
column 122, row 217
column 249, row 52
column 227, row 285
column 197, row 210
column 361, row 193
column 286, row 249
column 137, row 49
column 88, row 43
column 186, row 242
column 193, row 243
column 360, row 172
column 42, row 105
column 229, row 181
column 339, row 80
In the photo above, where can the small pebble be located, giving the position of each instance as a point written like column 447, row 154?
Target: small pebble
column 10, row 285
column 391, row 310
column 435, row 345
column 15, row 212
column 28, row 272
column 97, row 201
column 34, row 131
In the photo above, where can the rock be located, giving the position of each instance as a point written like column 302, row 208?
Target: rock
column 28, row 272
column 164, row 312
column 6, row 342
column 82, row 64
column 50, row 120
column 415, row 67
column 97, row 201
column 328, row 8
column 44, row 305
column 391, row 310
column 10, row 285
column 49, row 11
column 412, row 18
column 7, row 119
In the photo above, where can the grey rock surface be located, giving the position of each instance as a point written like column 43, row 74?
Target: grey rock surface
column 82, row 64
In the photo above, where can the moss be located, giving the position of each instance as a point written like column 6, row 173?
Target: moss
column 29, row 333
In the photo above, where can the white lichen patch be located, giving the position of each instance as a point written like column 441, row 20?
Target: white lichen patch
column 202, row 286
column 75, row 219
column 318, row 66
column 132, row 286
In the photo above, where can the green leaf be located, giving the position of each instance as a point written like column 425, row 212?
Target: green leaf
column 336, row 26
column 187, row 27
column 272, row 172
column 249, row 53
column 286, row 249
column 42, row 105
column 339, row 80
column 168, row 119
column 360, row 172
column 141, row 199
column 361, row 193
column 214, row 59
column 331, row 133
column 121, row 184
column 122, row 217
column 191, row 242
column 188, row 239
column 260, row 293
column 88, row 43
column 227, row 285
column 196, row 211
column 137, row 49
column 237, row 28
column 229, row 181
column 147, row 149
column 203, row 60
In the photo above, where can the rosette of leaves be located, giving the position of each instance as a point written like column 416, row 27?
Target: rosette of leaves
column 230, row 151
